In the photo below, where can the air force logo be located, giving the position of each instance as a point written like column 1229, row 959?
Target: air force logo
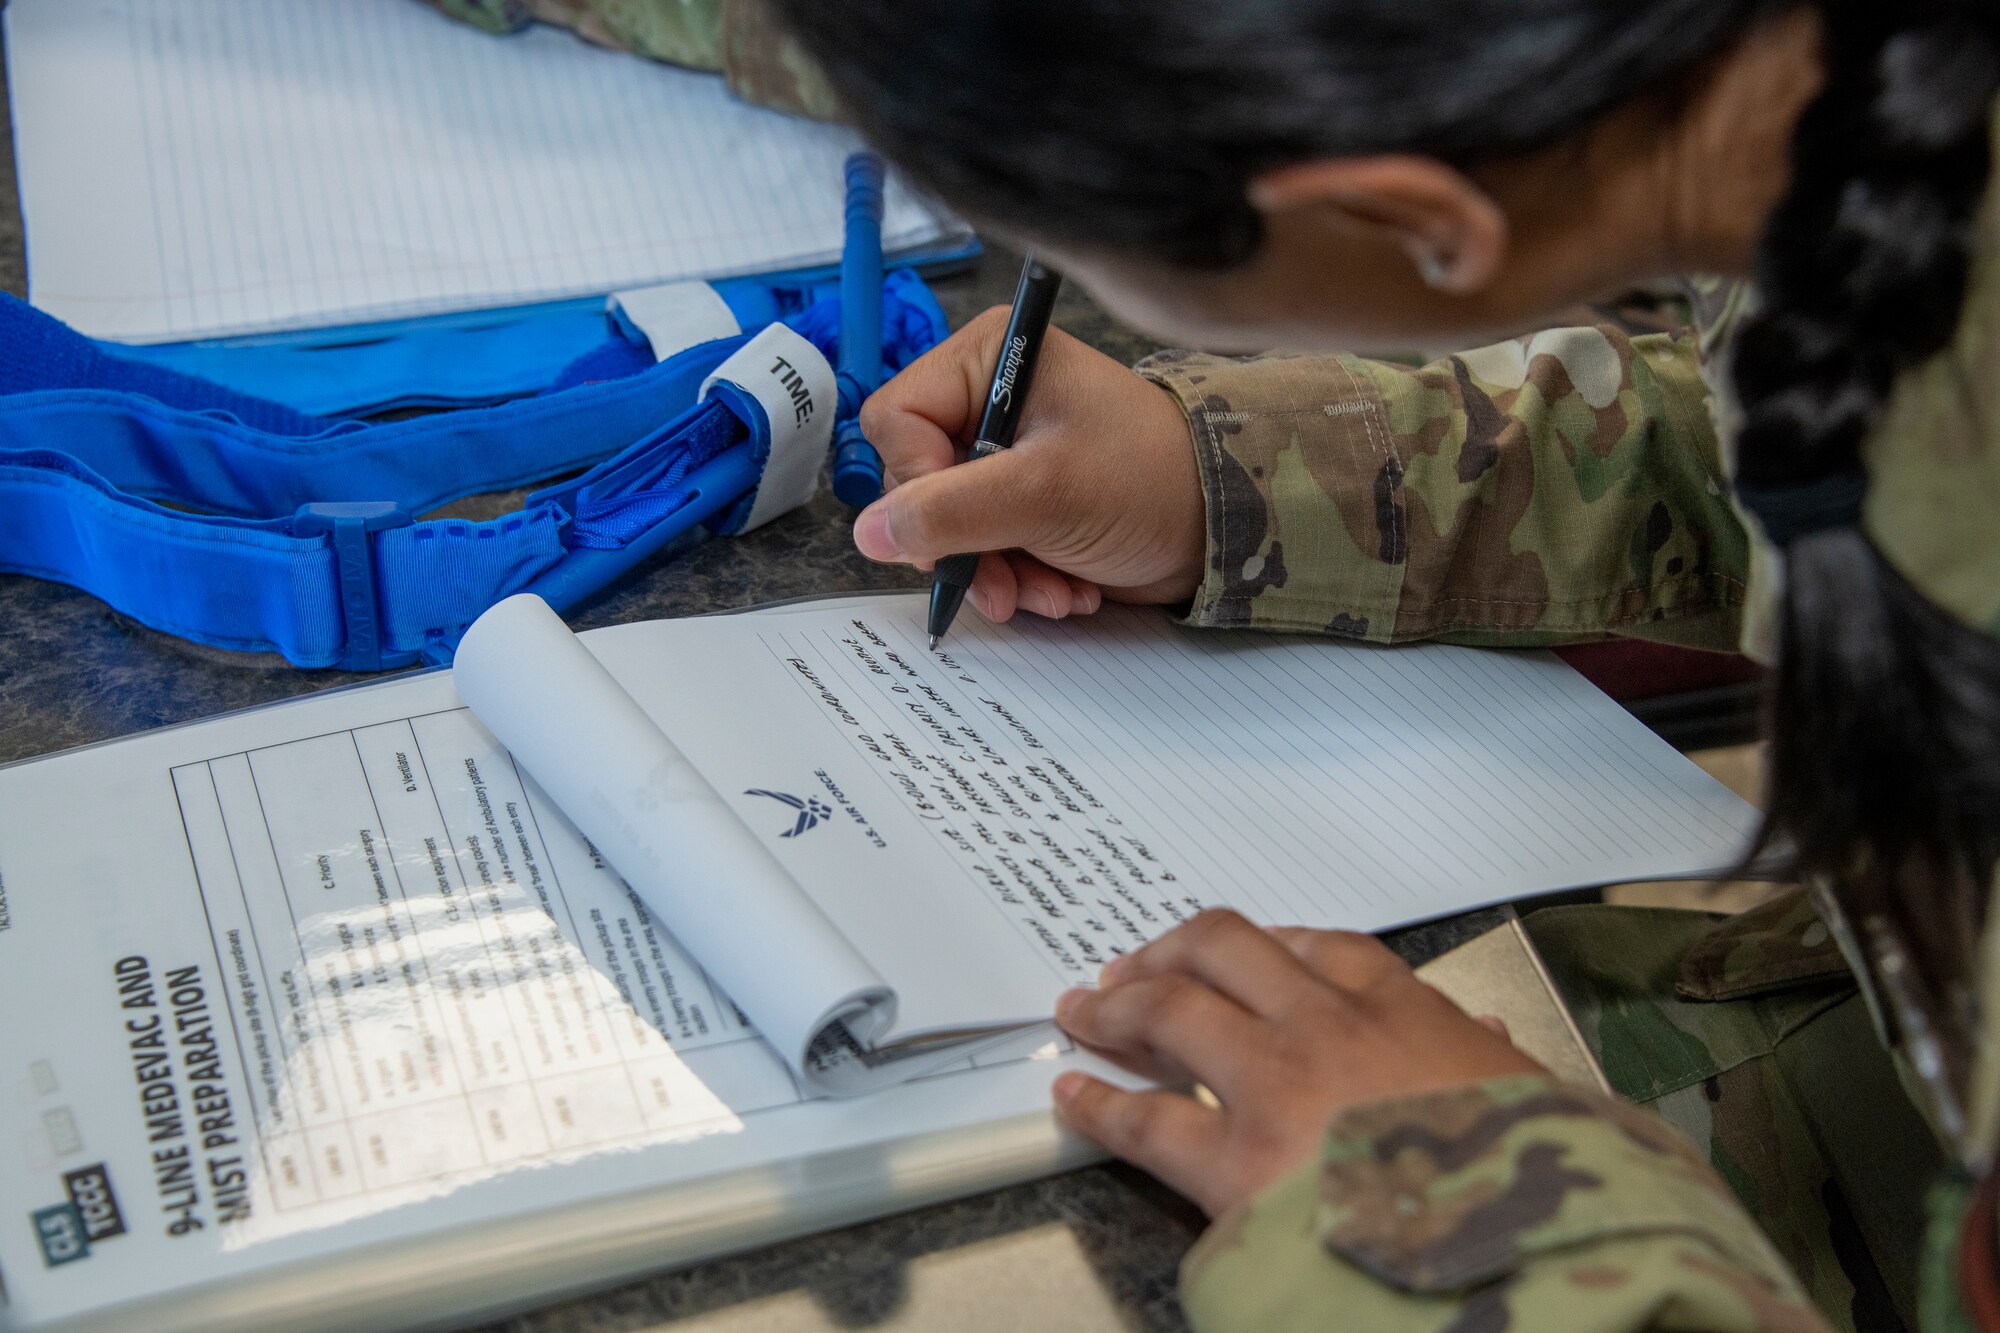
column 810, row 811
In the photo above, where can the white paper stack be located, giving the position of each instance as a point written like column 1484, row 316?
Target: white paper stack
column 202, row 168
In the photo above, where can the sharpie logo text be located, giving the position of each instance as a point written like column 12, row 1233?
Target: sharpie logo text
column 1010, row 369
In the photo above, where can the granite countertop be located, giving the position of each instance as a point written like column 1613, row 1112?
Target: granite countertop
column 1095, row 1249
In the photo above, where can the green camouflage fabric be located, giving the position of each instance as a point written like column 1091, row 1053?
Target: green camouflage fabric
column 1542, row 491
column 1562, row 486
column 736, row 37
column 1781, row 944
column 1753, row 1040
column 1515, row 1204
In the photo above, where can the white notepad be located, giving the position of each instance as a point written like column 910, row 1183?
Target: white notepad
column 932, row 844
column 356, row 1027
column 198, row 168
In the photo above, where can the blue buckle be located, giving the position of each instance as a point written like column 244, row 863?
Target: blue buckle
column 347, row 524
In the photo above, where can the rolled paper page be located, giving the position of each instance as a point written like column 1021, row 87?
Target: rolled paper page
column 694, row 863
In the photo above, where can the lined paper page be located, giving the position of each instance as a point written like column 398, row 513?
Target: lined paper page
column 1001, row 816
column 195, row 168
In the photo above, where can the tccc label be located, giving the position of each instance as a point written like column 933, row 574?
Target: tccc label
column 89, row 1188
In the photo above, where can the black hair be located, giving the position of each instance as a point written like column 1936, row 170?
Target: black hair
column 1136, row 126
column 1884, row 709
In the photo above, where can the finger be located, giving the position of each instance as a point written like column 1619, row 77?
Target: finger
column 1174, row 1137
column 999, row 503
column 1497, row 1026
column 1171, row 1022
column 1042, row 590
column 1226, row 952
column 1080, row 595
column 994, row 592
column 916, row 420
column 1152, row 1068
column 1343, row 958
column 922, row 449
column 991, row 586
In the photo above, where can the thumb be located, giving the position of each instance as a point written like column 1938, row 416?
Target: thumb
column 996, row 503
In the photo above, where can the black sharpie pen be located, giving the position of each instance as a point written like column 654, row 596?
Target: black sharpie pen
column 1034, row 302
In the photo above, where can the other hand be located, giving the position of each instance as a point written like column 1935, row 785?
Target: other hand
column 1099, row 497
column 1285, row 1027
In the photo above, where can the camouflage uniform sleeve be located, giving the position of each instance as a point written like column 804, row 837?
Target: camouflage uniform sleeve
column 737, row 37
column 1518, row 1204
column 1540, row 491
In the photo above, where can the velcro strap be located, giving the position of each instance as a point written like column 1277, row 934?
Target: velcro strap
column 253, row 585
column 216, row 465
column 247, row 574
column 785, row 379
column 674, row 316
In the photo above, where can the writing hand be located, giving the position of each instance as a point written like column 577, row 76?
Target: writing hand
column 1099, row 497
column 1285, row 1027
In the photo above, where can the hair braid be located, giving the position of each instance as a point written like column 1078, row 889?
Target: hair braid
column 1885, row 711
column 1864, row 266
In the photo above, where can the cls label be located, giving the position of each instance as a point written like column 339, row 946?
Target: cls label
column 60, row 1230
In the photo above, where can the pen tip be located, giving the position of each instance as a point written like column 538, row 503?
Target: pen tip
column 933, row 643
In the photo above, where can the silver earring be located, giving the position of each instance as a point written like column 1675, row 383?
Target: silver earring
column 1433, row 269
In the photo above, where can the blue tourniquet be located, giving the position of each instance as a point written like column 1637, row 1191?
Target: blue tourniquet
column 235, row 520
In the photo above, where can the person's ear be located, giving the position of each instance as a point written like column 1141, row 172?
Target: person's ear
column 1452, row 230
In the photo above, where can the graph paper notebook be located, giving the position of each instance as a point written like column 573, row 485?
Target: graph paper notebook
column 342, row 1022
column 203, row 168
